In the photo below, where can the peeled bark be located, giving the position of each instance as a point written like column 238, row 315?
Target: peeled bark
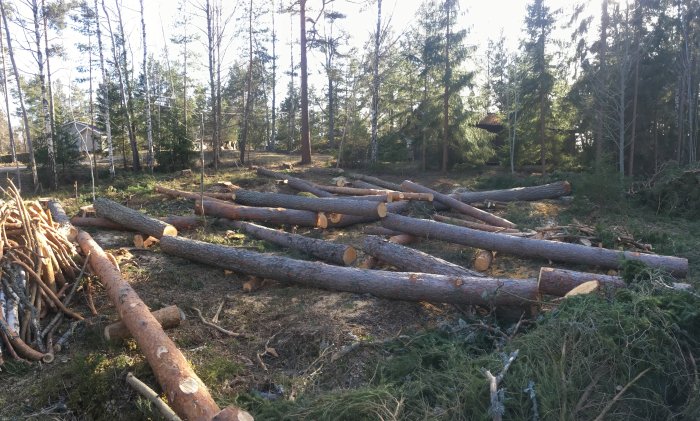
column 393, row 285
column 192, row 195
column 339, row 254
column 546, row 191
column 458, row 206
column 411, row 260
column 347, row 220
column 376, row 181
column 182, row 223
column 474, row 225
column 529, row 247
column 295, row 183
column 132, row 218
column 334, row 205
column 168, row 318
column 185, row 392
column 278, row 216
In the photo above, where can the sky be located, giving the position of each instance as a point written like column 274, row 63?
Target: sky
column 484, row 20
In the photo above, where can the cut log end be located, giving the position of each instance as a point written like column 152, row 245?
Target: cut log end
column 321, row 220
column 170, row 230
column 483, row 260
column 349, row 256
column 381, row 210
column 335, row 217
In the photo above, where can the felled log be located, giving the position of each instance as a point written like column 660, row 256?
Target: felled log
column 364, row 185
column 279, row 216
column 370, row 261
column 375, row 230
column 168, row 318
column 530, row 247
column 58, row 214
column 546, row 191
column 376, row 181
column 411, row 260
column 559, row 282
column 185, row 392
column 334, row 205
column 295, row 183
column 386, row 198
column 474, row 225
column 458, row 206
column 393, row 285
column 182, row 223
column 483, row 260
column 132, row 218
column 353, row 191
column 193, row 196
column 339, row 254
column 347, row 220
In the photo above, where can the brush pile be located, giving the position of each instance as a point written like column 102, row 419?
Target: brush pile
column 40, row 272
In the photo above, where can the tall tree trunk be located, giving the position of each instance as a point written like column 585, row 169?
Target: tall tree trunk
column 211, row 48
column 331, row 98
column 635, row 94
column 52, row 124
column 292, row 100
column 106, row 104
column 305, row 134
column 602, row 73
column 273, row 130
column 51, row 150
column 446, row 93
column 621, row 119
column 6, row 94
column 129, row 93
column 20, row 95
column 149, row 123
column 542, row 102
column 248, row 84
column 375, row 84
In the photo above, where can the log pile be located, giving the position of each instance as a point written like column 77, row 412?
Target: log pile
column 40, row 276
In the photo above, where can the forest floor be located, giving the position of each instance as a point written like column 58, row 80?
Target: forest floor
column 413, row 357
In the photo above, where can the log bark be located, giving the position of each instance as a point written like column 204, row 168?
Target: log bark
column 529, row 247
column 458, row 206
column 376, row 181
column 411, row 260
column 474, row 225
column 393, row 285
column 58, row 214
column 194, row 196
column 364, row 185
column 386, row 198
column 279, row 216
column 295, row 183
column 168, row 318
column 132, row 218
column 347, row 220
column 353, row 191
column 376, row 230
column 186, row 393
column 483, row 260
column 182, row 223
column 334, row 205
column 339, row 254
column 546, row 191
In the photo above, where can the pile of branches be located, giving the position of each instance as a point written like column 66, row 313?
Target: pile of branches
column 39, row 275
column 673, row 191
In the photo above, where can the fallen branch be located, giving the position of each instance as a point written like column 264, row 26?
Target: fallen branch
column 215, row 326
column 619, row 394
column 152, row 397
column 497, row 408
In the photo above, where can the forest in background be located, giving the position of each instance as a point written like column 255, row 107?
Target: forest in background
column 618, row 91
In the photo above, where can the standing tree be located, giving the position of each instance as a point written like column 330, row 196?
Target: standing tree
column 375, row 84
column 6, row 94
column 305, row 134
column 106, row 83
column 149, row 125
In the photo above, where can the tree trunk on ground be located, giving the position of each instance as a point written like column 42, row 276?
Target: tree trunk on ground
column 473, row 225
column 458, row 206
column 339, row 254
column 295, row 183
column 545, row 191
column 528, row 247
column 58, row 214
column 132, row 218
column 373, row 198
column 347, row 220
column 558, row 282
column 377, row 230
column 186, row 393
column 105, row 105
column 411, row 260
column 375, row 181
column 194, row 196
column 168, row 318
column 395, row 195
column 393, row 285
column 278, row 216
column 325, row 204
column 182, row 223
column 305, row 134
column 20, row 96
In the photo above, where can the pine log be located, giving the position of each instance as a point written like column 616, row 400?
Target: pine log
column 370, row 261
column 364, row 185
column 278, row 216
column 339, row 254
column 530, row 247
column 458, row 206
column 411, row 260
column 376, row 230
column 132, row 218
column 376, row 181
column 58, row 214
column 295, row 183
column 182, row 223
column 393, row 285
column 168, row 318
column 143, row 241
column 483, row 260
column 546, row 191
column 386, row 198
column 334, row 205
column 347, row 220
column 474, row 225
column 194, row 196
column 352, row 191
column 186, row 393
column 402, row 239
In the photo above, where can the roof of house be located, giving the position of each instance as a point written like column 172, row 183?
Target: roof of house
column 491, row 123
column 82, row 126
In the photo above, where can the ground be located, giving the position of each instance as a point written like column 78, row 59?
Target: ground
column 289, row 355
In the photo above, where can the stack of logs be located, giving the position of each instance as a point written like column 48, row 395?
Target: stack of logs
column 40, row 274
